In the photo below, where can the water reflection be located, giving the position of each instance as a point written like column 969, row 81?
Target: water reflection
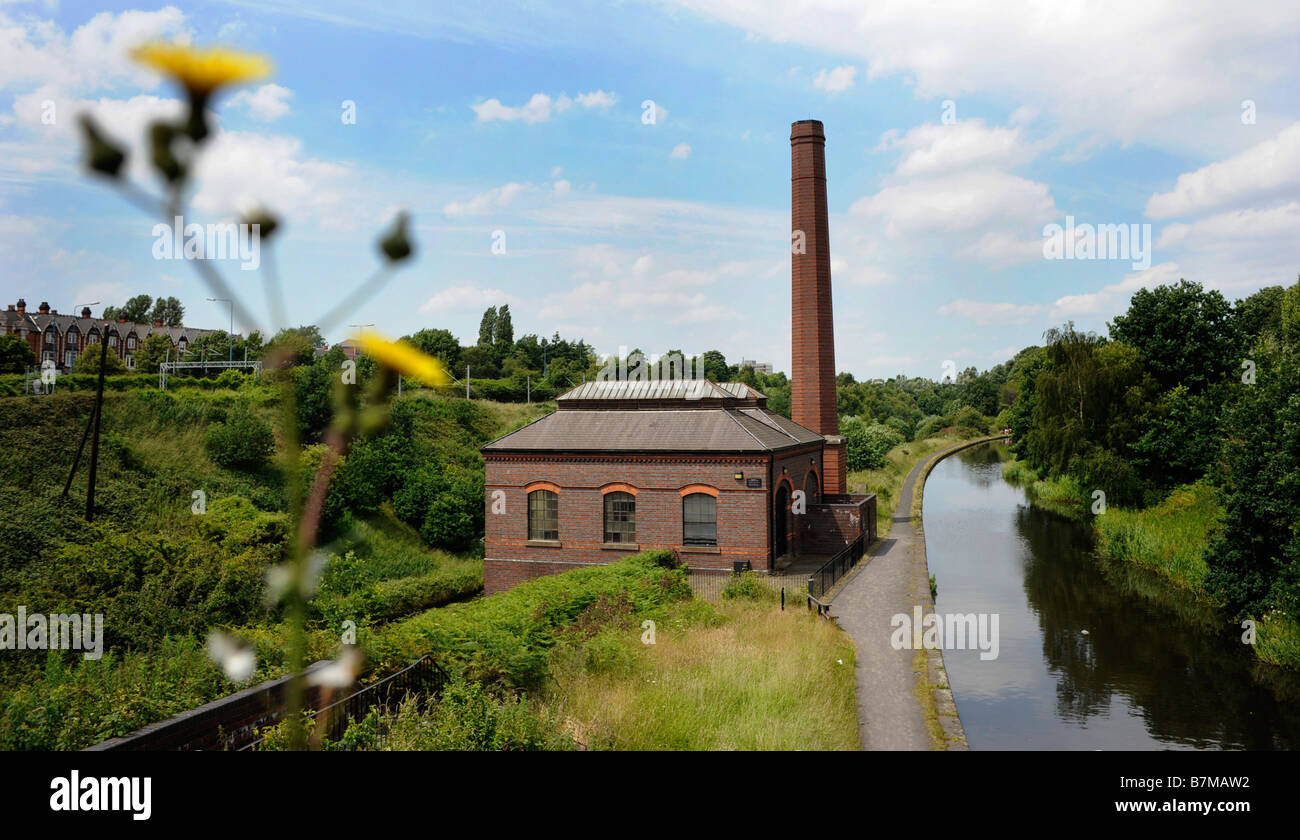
column 1094, row 654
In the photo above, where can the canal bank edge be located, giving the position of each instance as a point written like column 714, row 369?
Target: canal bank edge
column 933, row 721
column 944, row 705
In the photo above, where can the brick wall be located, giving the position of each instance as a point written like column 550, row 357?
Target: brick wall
column 744, row 513
column 812, row 393
column 827, row 528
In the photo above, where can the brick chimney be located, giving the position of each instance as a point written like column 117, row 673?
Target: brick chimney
column 45, row 308
column 812, row 398
column 85, row 311
column 22, row 306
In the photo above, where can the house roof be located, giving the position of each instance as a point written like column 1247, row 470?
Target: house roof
column 658, row 416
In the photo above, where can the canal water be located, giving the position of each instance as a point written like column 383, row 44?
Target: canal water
column 1093, row 654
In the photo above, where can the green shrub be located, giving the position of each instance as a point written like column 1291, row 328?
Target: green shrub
column 868, row 445
column 243, row 442
column 747, row 586
column 506, row 639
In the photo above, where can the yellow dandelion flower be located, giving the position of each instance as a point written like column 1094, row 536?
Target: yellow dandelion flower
column 202, row 71
column 404, row 358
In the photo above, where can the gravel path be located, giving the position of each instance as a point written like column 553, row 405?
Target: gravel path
column 897, row 690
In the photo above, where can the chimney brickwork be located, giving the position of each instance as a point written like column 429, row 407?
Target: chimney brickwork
column 812, row 398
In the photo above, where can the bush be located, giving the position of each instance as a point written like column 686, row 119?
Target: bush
column 869, row 445
column 969, row 419
column 506, row 639
column 748, row 587
column 243, row 442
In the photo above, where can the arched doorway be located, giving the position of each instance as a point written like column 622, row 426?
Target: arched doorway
column 780, row 522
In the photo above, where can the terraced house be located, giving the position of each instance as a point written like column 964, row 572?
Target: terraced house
column 63, row 338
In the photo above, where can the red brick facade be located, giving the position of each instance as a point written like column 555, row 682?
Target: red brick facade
column 812, row 393
column 745, row 515
column 63, row 339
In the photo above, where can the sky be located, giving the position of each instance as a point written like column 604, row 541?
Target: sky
column 957, row 135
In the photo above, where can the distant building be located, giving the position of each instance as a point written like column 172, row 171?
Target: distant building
column 350, row 348
column 63, row 338
column 759, row 367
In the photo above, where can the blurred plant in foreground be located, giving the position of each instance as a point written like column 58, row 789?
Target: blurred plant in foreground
column 174, row 149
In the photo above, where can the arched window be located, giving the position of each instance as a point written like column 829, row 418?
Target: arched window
column 811, row 488
column 543, row 515
column 49, row 335
column 620, row 518
column 699, row 519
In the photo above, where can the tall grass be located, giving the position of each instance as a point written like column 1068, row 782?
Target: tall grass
column 1170, row 537
column 744, row 675
column 1278, row 639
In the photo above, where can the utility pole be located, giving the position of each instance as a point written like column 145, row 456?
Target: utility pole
column 530, row 389
column 466, row 381
column 99, row 410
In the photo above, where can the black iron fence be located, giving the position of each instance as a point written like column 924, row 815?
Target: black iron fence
column 821, row 581
column 423, row 677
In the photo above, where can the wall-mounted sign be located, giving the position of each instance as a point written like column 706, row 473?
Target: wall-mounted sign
column 753, row 482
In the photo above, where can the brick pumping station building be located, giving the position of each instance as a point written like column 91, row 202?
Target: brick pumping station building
column 699, row 467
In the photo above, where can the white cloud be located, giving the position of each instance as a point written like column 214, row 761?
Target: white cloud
column 561, row 188
column 466, row 299
column 681, row 151
column 1234, row 227
column 484, row 203
column 537, row 109
column 987, row 314
column 241, row 170
column 1155, row 70
column 597, row 99
column 837, row 80
column 1001, row 249
column 933, row 148
column 1265, row 171
column 267, row 103
column 959, row 203
column 1113, row 299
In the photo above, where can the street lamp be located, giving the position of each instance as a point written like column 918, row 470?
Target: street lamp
column 232, row 325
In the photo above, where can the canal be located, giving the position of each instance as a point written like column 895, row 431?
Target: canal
column 1093, row 654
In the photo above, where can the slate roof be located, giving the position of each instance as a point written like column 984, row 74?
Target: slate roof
column 659, row 416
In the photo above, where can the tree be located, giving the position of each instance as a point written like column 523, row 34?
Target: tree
column 1186, row 335
column 482, row 362
column 440, row 343
column 1255, row 559
column 155, row 349
column 169, row 310
column 298, row 343
column 136, row 310
column 715, row 366
column 503, row 332
column 88, row 362
column 15, row 354
column 487, row 328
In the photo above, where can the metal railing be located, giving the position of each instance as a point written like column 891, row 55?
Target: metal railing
column 821, row 581
column 424, row 676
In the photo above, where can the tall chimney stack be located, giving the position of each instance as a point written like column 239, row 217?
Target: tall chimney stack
column 812, row 398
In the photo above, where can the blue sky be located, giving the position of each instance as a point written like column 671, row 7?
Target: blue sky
column 954, row 136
